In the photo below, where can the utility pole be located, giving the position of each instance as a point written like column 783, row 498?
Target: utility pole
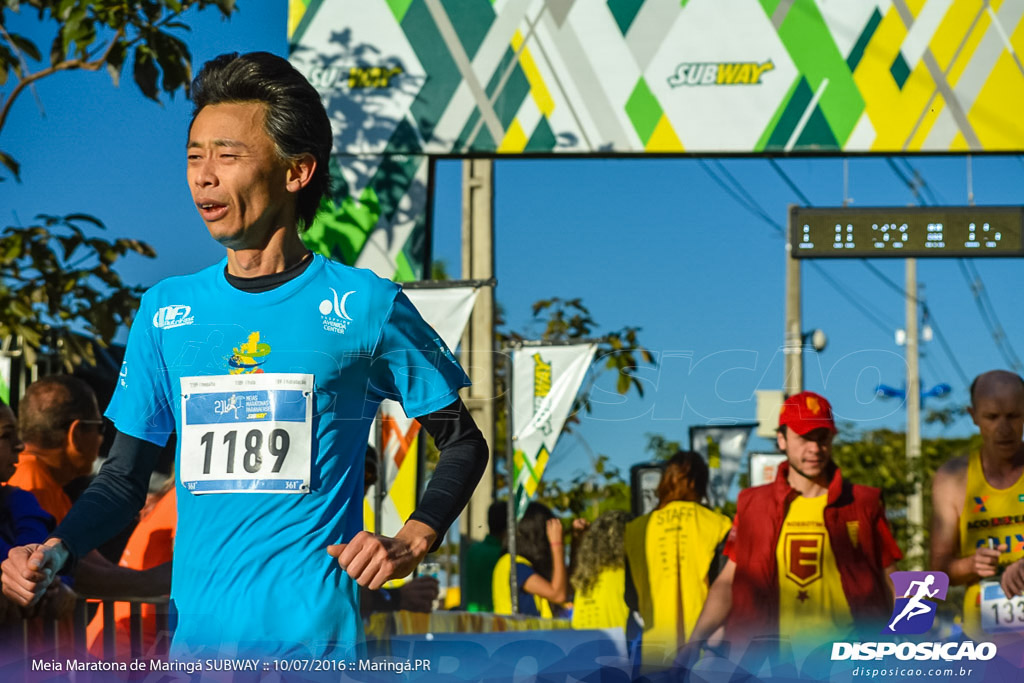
column 793, row 381
column 478, row 341
column 915, row 508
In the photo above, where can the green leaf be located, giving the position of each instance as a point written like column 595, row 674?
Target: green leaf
column 145, row 73
column 57, row 51
column 71, row 217
column 115, row 60
column 26, row 46
column 226, row 6
column 11, row 165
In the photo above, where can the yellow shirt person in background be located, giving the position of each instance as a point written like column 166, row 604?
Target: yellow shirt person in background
column 600, row 575
column 540, row 566
column 978, row 508
column 670, row 554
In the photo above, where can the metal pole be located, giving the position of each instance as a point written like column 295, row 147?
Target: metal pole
column 510, row 530
column 915, row 511
column 382, row 474
column 478, row 341
column 793, row 382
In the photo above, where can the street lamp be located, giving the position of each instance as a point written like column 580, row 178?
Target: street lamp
column 938, row 391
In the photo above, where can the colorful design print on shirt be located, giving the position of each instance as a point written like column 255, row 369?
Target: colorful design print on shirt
column 811, row 597
column 248, row 357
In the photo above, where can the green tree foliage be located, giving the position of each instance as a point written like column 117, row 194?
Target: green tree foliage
column 604, row 487
column 56, row 278
column 587, row 495
column 878, row 458
column 56, row 275
column 90, row 35
column 660, row 447
column 562, row 320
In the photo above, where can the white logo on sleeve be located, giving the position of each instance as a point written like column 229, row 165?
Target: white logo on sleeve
column 335, row 317
column 175, row 315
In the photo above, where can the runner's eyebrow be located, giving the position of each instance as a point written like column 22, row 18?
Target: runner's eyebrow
column 220, row 142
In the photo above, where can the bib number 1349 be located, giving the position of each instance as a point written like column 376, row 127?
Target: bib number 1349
column 246, row 433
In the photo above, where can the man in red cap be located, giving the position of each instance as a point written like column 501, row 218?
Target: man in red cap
column 810, row 549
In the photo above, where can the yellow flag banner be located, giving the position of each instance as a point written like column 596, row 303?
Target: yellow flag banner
column 545, row 380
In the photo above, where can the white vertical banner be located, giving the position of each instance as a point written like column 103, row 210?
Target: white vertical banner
column 545, row 380
column 447, row 310
column 722, row 448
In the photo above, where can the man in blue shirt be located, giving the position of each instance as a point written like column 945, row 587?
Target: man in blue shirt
column 269, row 366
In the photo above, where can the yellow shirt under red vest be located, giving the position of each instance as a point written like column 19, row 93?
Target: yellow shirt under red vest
column 811, row 597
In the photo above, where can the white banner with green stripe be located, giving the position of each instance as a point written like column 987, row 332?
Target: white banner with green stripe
column 545, row 380
column 404, row 80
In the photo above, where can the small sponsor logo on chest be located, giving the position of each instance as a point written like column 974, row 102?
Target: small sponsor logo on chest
column 333, row 314
column 175, row 315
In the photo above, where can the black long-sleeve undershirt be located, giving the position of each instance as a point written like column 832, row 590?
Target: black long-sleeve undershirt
column 462, row 463
column 113, row 498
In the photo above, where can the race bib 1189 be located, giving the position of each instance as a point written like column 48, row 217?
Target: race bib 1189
column 246, row 433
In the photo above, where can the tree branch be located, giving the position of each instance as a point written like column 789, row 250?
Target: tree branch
column 66, row 65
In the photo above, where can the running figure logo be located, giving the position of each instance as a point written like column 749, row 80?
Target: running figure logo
column 916, row 592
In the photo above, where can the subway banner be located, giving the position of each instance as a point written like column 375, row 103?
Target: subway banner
column 404, row 79
column 545, row 380
column 447, row 310
column 408, row 77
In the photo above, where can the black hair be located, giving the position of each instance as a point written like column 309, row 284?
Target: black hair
column 532, row 538
column 294, row 119
column 497, row 518
column 49, row 407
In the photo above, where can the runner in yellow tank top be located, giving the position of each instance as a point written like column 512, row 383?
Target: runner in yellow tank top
column 981, row 497
column 991, row 518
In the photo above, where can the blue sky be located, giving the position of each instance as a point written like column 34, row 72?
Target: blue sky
column 654, row 243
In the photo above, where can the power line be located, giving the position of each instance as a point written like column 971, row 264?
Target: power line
column 882, row 276
column 744, row 199
column 789, row 181
column 974, row 283
column 988, row 314
column 887, row 328
column 752, row 208
column 945, row 346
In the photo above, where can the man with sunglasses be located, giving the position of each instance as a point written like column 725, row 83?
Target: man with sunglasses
column 62, row 429
column 61, row 426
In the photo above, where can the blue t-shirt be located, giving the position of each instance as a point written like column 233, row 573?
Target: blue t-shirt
column 251, row 572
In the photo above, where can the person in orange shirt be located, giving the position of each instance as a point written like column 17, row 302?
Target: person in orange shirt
column 150, row 545
column 22, row 520
column 61, row 426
